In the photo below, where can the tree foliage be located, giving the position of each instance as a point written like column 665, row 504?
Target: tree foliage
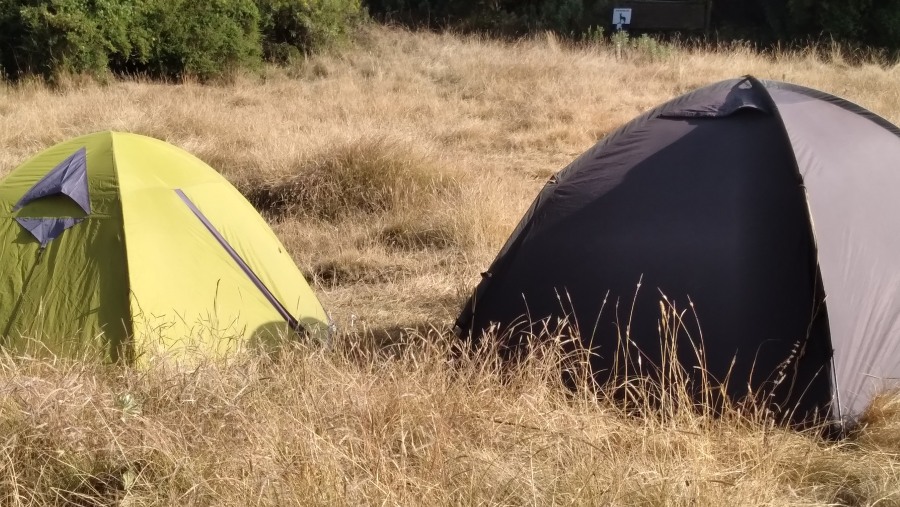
column 875, row 22
column 505, row 16
column 163, row 38
column 867, row 22
column 290, row 27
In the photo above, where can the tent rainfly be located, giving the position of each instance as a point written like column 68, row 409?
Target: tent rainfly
column 769, row 208
column 117, row 244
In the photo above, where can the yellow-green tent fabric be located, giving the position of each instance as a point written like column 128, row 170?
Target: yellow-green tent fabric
column 124, row 245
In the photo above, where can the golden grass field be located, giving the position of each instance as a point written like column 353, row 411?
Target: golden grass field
column 393, row 169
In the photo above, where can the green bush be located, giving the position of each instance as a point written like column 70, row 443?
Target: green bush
column 503, row 16
column 875, row 22
column 204, row 38
column 293, row 27
column 561, row 15
column 164, row 38
column 425, row 12
column 842, row 19
column 885, row 24
column 53, row 36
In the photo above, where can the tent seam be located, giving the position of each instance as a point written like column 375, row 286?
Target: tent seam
column 836, row 412
column 129, row 317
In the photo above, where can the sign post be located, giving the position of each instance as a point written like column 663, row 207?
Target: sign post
column 621, row 17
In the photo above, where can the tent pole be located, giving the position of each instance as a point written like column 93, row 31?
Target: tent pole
column 837, row 395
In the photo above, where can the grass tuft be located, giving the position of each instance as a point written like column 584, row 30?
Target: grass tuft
column 366, row 176
column 881, row 422
column 348, row 271
column 413, row 236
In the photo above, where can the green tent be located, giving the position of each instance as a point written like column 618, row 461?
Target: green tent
column 120, row 245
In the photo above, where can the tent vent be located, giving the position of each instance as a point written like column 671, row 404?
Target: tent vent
column 68, row 178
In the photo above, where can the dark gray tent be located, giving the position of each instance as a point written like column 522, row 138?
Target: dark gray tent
column 773, row 208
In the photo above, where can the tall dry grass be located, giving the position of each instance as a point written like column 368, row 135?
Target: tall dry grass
column 393, row 171
column 356, row 427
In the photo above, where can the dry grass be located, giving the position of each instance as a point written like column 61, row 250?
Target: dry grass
column 393, row 172
column 350, row 427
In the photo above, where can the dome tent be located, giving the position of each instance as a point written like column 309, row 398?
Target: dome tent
column 115, row 243
column 768, row 207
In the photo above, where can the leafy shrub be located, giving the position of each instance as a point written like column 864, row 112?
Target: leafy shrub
column 561, row 15
column 168, row 38
column 593, row 35
column 842, row 19
column 857, row 21
column 201, row 38
column 885, row 24
column 53, row 36
column 425, row 12
column 651, row 49
column 504, row 16
column 292, row 27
